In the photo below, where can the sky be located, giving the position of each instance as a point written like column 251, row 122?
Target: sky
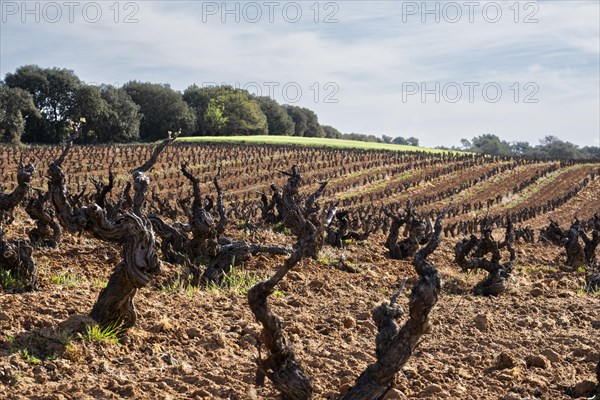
column 436, row 70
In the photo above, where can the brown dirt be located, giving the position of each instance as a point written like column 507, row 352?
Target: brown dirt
column 202, row 345
column 583, row 205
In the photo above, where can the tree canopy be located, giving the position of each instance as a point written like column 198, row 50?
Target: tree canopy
column 331, row 133
column 198, row 99
column 16, row 105
column 550, row 147
column 37, row 105
column 121, row 120
column 54, row 94
column 278, row 120
column 235, row 113
column 306, row 122
column 162, row 109
column 411, row 141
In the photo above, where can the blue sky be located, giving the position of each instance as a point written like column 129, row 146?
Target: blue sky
column 376, row 67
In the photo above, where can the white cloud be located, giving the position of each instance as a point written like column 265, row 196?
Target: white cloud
column 369, row 54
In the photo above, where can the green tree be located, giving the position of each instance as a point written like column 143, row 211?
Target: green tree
column 278, row 120
column 490, row 144
column 550, row 147
column 549, row 140
column 361, row 137
column 400, row 140
column 331, row 132
column 300, row 119
column 386, row 139
column 214, row 120
column 198, row 99
column 16, row 105
column 590, row 152
column 90, row 105
column 553, row 147
column 306, row 121
column 121, row 121
column 465, row 144
column 54, row 94
column 235, row 113
column 521, row 148
column 412, row 141
column 162, row 109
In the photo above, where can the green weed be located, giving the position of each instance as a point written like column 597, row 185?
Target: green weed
column 281, row 228
column 584, row 291
column 541, row 267
column 61, row 336
column 101, row 335
column 7, row 281
column 237, row 281
column 179, row 285
column 29, row 358
column 325, row 261
column 67, row 279
column 99, row 283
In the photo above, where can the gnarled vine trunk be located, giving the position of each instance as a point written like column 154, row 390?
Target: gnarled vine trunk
column 591, row 244
column 281, row 366
column 131, row 229
column 47, row 232
column 338, row 235
column 16, row 256
column 16, row 259
column 301, row 219
column 394, row 345
column 470, row 255
column 417, row 229
column 207, row 241
column 574, row 249
column 9, row 201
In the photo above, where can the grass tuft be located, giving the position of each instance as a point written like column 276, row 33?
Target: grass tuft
column 29, row 358
column 7, row 281
column 101, row 335
column 99, row 283
column 67, row 279
column 237, row 281
column 179, row 285
column 585, row 290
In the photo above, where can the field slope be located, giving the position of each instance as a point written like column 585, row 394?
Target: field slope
column 307, row 141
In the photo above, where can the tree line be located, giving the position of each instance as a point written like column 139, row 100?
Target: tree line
column 549, row 147
column 37, row 105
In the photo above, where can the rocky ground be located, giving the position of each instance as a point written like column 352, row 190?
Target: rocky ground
column 538, row 341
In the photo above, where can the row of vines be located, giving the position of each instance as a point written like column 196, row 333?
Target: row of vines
column 176, row 203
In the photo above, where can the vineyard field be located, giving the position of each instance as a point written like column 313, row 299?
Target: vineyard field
column 537, row 338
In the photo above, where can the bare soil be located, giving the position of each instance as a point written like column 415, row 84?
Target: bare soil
column 538, row 341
